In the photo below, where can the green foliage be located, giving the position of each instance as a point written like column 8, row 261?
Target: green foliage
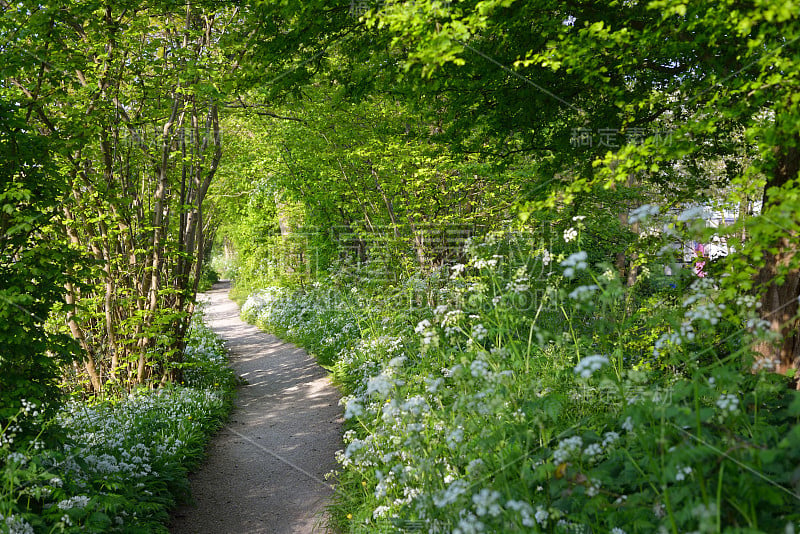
column 122, row 465
column 33, row 272
column 525, row 392
column 208, row 277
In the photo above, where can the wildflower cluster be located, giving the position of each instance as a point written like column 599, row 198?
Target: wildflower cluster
column 469, row 414
column 121, row 465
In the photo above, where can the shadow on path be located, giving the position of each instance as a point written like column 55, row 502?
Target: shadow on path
column 265, row 470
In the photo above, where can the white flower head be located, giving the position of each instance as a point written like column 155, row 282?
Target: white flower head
column 380, row 384
column 728, row 402
column 570, row 234
column 689, row 214
column 422, row 326
column 353, row 409
column 682, row 473
column 479, row 332
column 627, row 425
column 588, row 365
column 567, row 448
column 486, row 503
column 457, row 269
column 581, row 293
column 575, row 262
column 643, row 212
column 541, row 516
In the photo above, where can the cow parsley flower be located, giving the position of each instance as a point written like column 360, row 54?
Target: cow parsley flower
column 16, row 525
column 353, row 409
column 524, row 509
column 627, row 425
column 78, row 501
column 728, row 402
column 486, row 503
column 566, row 449
column 479, row 368
column 570, row 234
column 380, row 384
column 450, row 494
column 457, row 269
column 479, row 332
column 683, row 472
column 541, row 516
column 592, row 450
column 575, row 262
column 609, row 438
column 643, row 212
column 583, row 292
column 588, row 365
column 455, row 437
column 695, row 212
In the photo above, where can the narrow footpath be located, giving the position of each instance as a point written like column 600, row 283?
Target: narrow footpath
column 265, row 471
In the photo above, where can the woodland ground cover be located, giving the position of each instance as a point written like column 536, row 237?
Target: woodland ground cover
column 528, row 389
column 117, row 465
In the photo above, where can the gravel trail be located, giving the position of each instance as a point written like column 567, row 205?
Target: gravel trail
column 265, row 470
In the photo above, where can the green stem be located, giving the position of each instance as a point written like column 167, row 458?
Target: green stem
column 719, row 497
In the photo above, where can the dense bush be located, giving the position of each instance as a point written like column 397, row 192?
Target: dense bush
column 123, row 464
column 535, row 391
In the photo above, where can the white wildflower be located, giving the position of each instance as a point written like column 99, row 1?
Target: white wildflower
column 642, row 213
column 524, row 509
column 627, row 425
column 695, row 212
column 433, row 384
column 479, row 368
column 609, row 438
column 450, row 494
column 457, row 269
column 380, row 384
column 486, row 503
column 575, row 262
column 728, row 402
column 592, row 450
column 566, row 449
column 479, row 332
column 583, row 292
column 353, row 409
column 683, row 472
column 79, row 501
column 588, row 365
column 482, row 264
column 541, row 516
column 570, row 234
column 455, row 437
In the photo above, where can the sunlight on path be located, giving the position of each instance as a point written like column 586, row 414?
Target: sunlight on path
column 265, row 470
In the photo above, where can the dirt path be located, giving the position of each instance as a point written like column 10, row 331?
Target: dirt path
column 265, row 470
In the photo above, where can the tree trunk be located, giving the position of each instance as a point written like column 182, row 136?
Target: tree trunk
column 779, row 278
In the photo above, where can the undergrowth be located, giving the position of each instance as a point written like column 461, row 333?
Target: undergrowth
column 122, row 464
column 531, row 389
